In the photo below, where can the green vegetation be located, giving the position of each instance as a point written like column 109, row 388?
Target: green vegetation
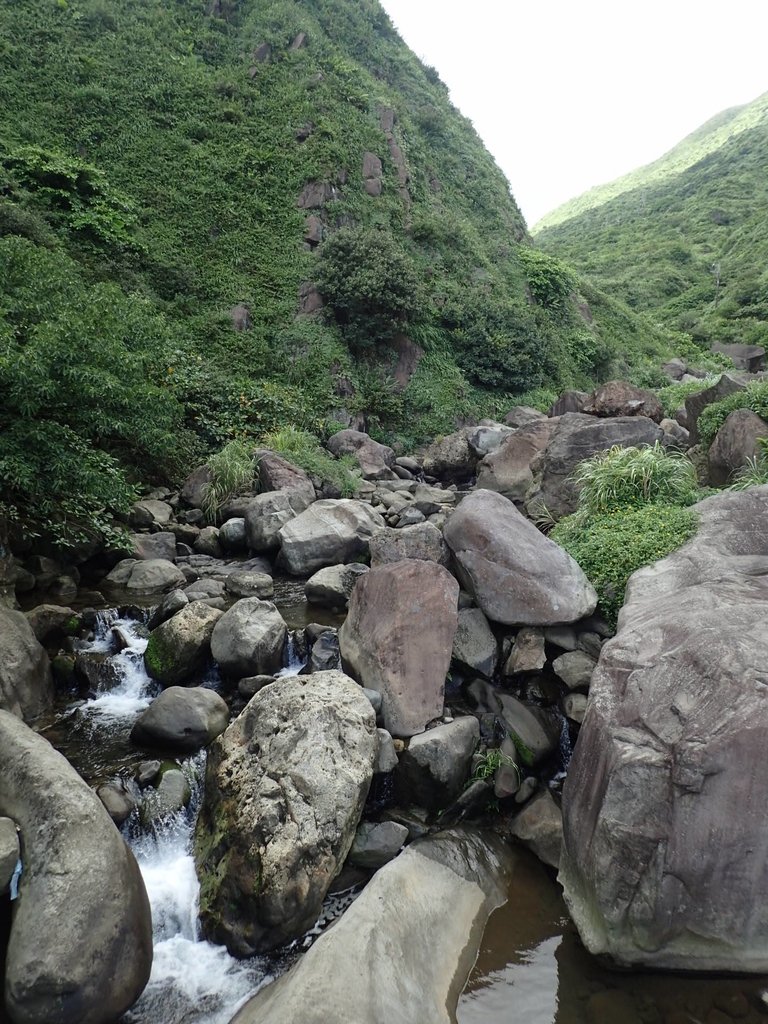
column 682, row 239
column 610, row 547
column 755, row 472
column 622, row 478
column 172, row 185
column 632, row 511
column 490, row 761
column 672, row 396
column 754, row 397
column 231, row 470
column 305, row 450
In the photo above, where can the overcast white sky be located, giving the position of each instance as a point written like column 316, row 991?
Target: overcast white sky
column 567, row 95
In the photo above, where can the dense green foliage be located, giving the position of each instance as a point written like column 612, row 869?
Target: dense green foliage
column 755, row 472
column 231, row 469
column 684, row 238
column 754, row 397
column 632, row 477
column 175, row 181
column 632, row 511
column 611, row 546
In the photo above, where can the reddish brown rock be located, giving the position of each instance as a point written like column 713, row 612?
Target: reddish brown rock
column 619, row 398
column 736, row 441
column 508, row 469
column 398, row 637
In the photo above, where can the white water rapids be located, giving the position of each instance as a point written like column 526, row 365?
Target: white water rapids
column 192, row 981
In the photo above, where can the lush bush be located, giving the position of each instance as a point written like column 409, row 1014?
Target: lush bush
column 622, row 478
column 369, row 284
column 755, row 397
column 672, row 396
column 305, row 450
column 611, row 546
column 549, row 279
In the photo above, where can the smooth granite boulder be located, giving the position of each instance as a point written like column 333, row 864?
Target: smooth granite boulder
column 516, row 574
column 397, row 639
column 80, row 949
column 248, row 640
column 664, row 804
column 429, row 905
column 329, row 532
column 26, row 683
column 285, row 787
column 179, row 648
column 182, row 718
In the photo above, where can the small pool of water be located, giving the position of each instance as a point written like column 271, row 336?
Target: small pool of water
column 533, row 969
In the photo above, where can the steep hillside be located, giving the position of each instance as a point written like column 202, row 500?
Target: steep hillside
column 182, row 188
column 683, row 238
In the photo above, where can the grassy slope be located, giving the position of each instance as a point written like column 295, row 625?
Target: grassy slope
column 659, row 237
column 198, row 143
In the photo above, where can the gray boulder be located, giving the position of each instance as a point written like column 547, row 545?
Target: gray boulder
column 329, row 532
column 569, row 401
column 207, row 542
column 575, row 668
column 430, row 904
column 182, row 718
column 9, row 852
column 268, row 513
column 154, row 576
column 118, row 800
column 173, row 602
column 250, row 584
column 278, row 474
column 80, row 947
column 528, row 653
column 196, row 486
column 578, row 437
column 474, row 644
column 696, row 404
column 397, row 639
column 26, row 683
column 248, row 640
column 375, row 460
column 539, row 826
column 745, row 357
column 325, row 652
column 534, row 731
column 619, row 398
column 179, row 648
column 486, row 439
column 522, row 415
column 422, row 541
column 153, row 545
column 516, row 574
column 666, row 790
column 375, row 844
column 232, row 534
column 735, row 443
column 285, row 787
column 508, row 470
column 434, row 766
column 330, row 587
column 150, row 512
column 452, row 457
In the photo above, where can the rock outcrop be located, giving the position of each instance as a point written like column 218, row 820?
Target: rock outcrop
column 26, row 684
column 285, row 787
column 663, row 863
column 80, row 949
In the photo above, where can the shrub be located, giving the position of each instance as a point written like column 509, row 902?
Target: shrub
column 609, row 547
column 755, row 397
column 672, row 396
column 231, row 469
column 755, row 472
column 305, row 450
column 633, row 477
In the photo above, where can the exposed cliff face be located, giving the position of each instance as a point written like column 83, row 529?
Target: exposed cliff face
column 683, row 237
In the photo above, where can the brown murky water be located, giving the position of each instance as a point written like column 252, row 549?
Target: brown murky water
column 532, row 969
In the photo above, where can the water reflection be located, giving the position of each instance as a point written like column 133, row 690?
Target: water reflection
column 532, row 968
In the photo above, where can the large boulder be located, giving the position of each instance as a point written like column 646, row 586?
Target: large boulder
column 153, row 576
column 619, row 398
column 516, row 574
column 474, row 645
column 452, row 457
column 248, row 640
column 80, row 948
column 26, row 683
column 423, row 541
column 696, row 404
column 508, row 469
column 268, row 513
column 735, row 442
column 331, row 586
column 576, row 438
column 434, row 767
column 153, row 545
column 329, row 532
column 278, row 474
column 397, row 639
column 285, row 787
column 182, row 718
column 430, row 904
column 745, row 357
column 663, row 806
column 375, row 460
column 180, row 647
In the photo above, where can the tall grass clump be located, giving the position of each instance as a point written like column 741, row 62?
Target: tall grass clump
column 632, row 511
column 754, row 472
column 231, row 469
column 304, row 449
